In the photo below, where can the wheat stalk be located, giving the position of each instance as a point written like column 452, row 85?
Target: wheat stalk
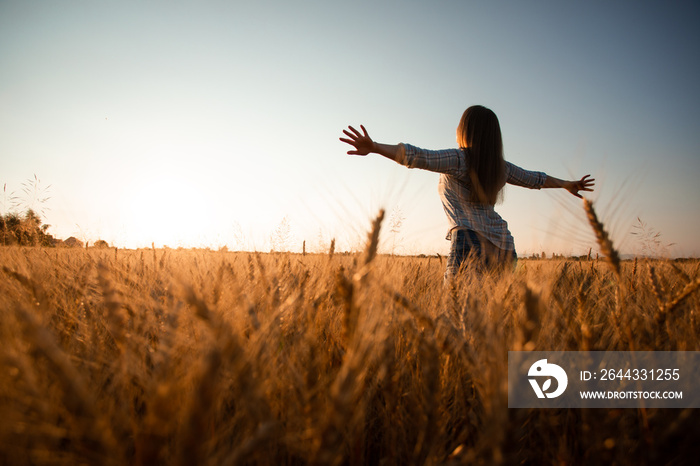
column 371, row 248
column 606, row 247
column 680, row 297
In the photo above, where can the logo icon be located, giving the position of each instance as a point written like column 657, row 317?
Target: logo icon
column 542, row 369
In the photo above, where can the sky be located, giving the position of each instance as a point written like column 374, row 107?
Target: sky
column 212, row 123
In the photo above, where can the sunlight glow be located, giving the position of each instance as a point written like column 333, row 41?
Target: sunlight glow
column 166, row 210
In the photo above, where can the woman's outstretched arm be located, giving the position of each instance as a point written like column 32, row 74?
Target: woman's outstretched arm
column 584, row 184
column 364, row 145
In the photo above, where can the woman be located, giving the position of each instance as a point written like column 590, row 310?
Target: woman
column 471, row 182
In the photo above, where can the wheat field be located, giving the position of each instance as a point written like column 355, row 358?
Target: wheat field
column 196, row 357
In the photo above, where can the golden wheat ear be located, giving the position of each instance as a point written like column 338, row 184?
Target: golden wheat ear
column 371, row 249
column 606, row 246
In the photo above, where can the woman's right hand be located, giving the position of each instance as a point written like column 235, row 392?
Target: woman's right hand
column 362, row 143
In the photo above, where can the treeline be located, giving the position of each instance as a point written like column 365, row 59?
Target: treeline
column 28, row 230
column 24, row 230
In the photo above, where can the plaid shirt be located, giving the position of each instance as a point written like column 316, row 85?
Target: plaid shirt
column 455, row 191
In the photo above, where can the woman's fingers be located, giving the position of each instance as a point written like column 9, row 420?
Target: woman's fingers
column 357, row 133
column 586, row 183
column 360, row 141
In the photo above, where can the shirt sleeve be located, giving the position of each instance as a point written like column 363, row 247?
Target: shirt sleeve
column 448, row 161
column 525, row 178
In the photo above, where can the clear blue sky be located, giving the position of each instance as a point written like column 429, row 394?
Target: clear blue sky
column 208, row 123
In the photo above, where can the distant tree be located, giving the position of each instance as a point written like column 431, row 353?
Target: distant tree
column 101, row 244
column 25, row 230
column 10, row 228
column 73, row 242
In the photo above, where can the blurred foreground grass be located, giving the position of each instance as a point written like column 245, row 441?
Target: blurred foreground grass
column 195, row 357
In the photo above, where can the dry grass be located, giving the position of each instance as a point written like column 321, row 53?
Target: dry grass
column 193, row 357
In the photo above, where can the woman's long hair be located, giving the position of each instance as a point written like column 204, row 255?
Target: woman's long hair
column 479, row 135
